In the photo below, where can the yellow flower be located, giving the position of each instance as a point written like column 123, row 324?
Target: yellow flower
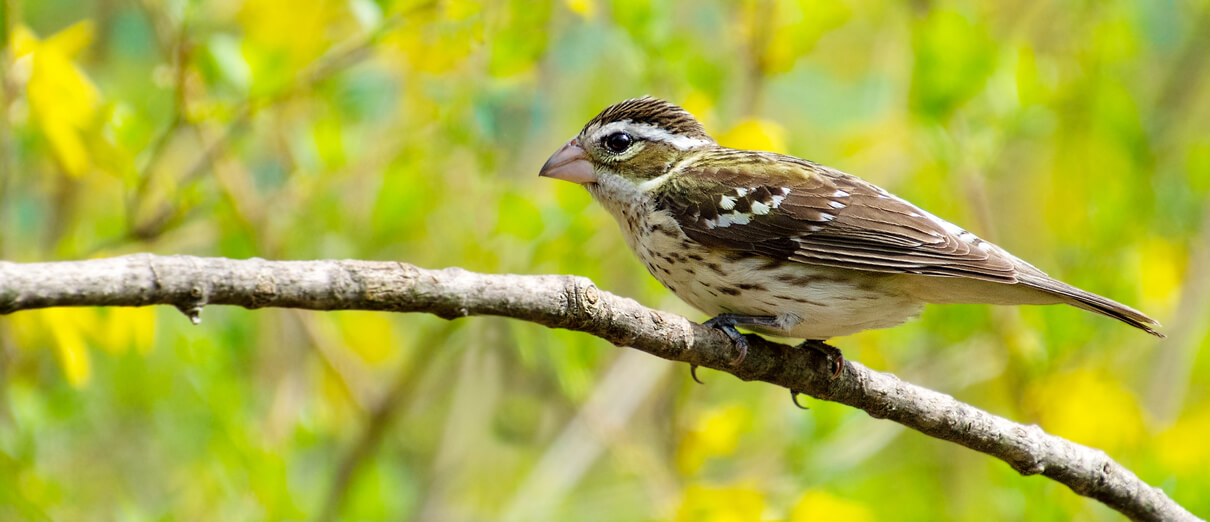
column 755, row 134
column 1088, row 407
column 62, row 99
column 721, row 504
column 820, row 505
column 715, row 433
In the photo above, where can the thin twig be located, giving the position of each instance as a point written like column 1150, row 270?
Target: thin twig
column 574, row 303
column 341, row 57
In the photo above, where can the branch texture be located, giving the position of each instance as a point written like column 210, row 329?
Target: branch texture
column 574, row 303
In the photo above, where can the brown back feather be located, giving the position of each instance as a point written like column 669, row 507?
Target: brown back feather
column 822, row 216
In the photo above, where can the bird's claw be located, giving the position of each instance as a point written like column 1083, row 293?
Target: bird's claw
column 741, row 344
column 835, row 357
column 722, row 324
column 794, row 397
column 693, row 373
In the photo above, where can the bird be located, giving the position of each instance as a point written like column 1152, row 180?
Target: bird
column 784, row 246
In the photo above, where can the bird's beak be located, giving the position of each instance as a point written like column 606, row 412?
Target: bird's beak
column 569, row 163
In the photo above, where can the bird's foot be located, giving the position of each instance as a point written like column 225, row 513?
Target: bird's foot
column 727, row 323
column 831, row 352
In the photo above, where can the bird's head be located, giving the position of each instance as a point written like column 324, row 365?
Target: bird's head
column 638, row 140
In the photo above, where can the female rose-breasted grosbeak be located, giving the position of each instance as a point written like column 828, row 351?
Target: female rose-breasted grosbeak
column 784, row 246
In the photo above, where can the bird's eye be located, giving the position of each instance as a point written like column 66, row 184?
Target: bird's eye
column 618, row 142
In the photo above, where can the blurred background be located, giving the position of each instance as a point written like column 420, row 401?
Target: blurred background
column 1074, row 133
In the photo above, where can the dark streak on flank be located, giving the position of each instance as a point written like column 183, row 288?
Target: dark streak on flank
column 737, row 256
column 796, row 299
column 799, row 280
column 771, row 263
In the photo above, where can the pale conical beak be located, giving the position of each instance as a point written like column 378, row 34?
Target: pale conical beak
column 569, row 163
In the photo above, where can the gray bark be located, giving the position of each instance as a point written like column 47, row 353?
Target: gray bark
column 574, row 303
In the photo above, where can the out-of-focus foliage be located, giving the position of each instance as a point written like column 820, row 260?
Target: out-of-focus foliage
column 1076, row 134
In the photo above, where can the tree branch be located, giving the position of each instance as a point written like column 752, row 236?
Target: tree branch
column 574, row 303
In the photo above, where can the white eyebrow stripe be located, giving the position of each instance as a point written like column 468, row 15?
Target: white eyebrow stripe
column 649, row 132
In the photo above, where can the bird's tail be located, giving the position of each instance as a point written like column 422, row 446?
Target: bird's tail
column 1090, row 301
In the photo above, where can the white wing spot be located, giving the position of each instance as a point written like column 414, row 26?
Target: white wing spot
column 814, row 228
column 826, row 217
column 836, row 204
column 736, row 218
column 840, row 194
column 913, row 214
column 761, row 209
column 726, row 202
column 785, row 191
column 741, row 191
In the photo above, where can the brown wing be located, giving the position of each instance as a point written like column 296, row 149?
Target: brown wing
column 794, row 210
column 791, row 209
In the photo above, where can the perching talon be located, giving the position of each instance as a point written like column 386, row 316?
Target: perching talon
column 794, row 397
column 693, row 373
column 831, row 352
column 727, row 322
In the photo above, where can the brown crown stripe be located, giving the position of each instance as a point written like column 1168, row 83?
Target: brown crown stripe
column 652, row 111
